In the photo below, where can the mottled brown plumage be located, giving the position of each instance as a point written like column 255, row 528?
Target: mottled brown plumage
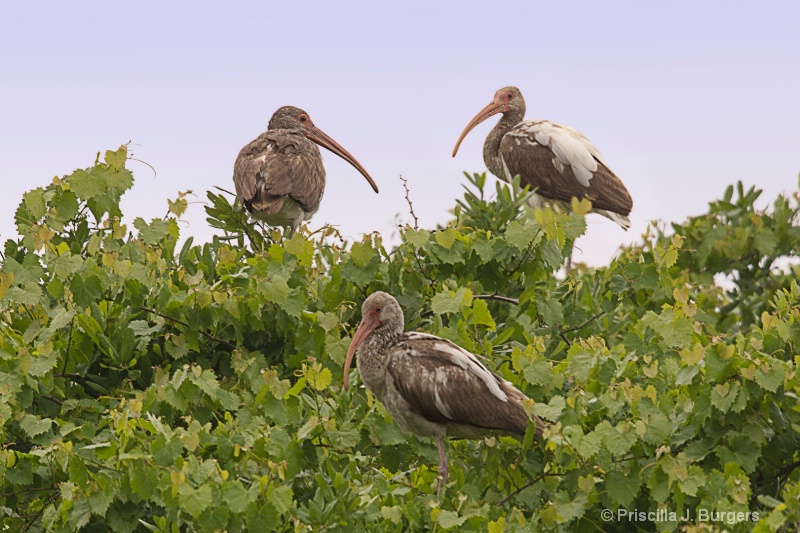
column 555, row 160
column 279, row 176
column 429, row 385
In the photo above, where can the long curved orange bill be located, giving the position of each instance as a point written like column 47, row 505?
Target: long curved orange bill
column 368, row 324
column 319, row 137
column 491, row 109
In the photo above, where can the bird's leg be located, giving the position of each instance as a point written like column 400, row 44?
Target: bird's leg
column 569, row 258
column 443, row 467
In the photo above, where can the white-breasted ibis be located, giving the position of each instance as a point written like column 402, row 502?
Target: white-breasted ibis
column 429, row 385
column 279, row 176
column 556, row 161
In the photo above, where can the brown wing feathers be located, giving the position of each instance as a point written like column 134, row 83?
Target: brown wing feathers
column 269, row 168
column 443, row 392
column 534, row 165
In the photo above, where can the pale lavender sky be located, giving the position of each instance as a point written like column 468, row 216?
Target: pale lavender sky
column 683, row 98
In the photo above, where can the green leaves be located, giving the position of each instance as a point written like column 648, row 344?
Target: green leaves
column 451, row 301
column 552, row 410
column 102, row 186
column 157, row 230
column 33, row 426
column 146, row 385
column 481, row 314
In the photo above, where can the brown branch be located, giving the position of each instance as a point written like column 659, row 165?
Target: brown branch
column 564, row 338
column 494, row 296
column 186, row 325
column 784, row 471
column 526, row 485
column 561, row 333
column 70, row 376
column 33, row 489
column 497, row 297
column 52, row 399
column 38, row 514
column 410, row 205
column 576, row 328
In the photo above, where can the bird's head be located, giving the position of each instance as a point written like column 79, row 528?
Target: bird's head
column 380, row 313
column 294, row 118
column 506, row 100
column 290, row 118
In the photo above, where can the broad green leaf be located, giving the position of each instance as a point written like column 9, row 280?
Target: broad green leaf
column 482, row 315
column 451, row 302
column 521, row 235
column 235, row 496
column 362, row 253
column 195, row 501
column 33, row 426
column 116, row 159
column 301, row 248
column 448, row 519
column 87, row 185
column 155, row 231
column 538, row 372
column 275, row 290
column 622, row 487
column 552, row 410
column 30, row 295
column 282, row 497
column 770, row 378
column 446, row 238
column 723, row 395
column 66, row 265
column 417, row 238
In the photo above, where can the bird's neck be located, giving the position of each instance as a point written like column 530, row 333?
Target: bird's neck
column 373, row 359
column 491, row 148
column 381, row 339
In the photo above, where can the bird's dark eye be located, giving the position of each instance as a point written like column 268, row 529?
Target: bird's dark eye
column 302, row 118
column 377, row 309
column 510, row 96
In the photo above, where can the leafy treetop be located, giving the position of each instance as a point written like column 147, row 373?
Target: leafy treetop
column 148, row 385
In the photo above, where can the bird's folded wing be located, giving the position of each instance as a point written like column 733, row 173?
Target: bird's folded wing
column 444, row 383
column 562, row 164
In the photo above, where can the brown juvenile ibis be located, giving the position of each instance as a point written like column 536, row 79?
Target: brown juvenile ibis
column 429, row 385
column 279, row 176
column 556, row 161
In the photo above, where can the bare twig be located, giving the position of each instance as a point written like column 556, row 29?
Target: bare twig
column 497, row 297
column 77, row 377
column 561, row 333
column 784, row 471
column 494, row 296
column 576, row 328
column 24, row 491
column 410, row 206
column 526, row 485
column 184, row 324
column 52, row 399
column 564, row 338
